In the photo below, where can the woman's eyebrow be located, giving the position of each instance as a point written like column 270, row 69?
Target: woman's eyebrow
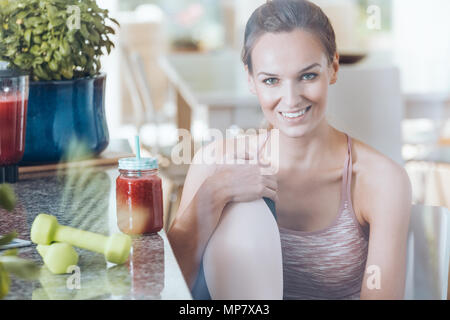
column 303, row 70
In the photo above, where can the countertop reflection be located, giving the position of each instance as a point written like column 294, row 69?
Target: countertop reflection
column 85, row 198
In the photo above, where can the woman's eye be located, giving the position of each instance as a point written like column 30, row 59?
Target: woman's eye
column 309, row 76
column 270, row 81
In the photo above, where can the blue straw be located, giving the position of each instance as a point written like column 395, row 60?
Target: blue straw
column 138, row 148
column 138, row 152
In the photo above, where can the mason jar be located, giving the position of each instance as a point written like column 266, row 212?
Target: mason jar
column 139, row 196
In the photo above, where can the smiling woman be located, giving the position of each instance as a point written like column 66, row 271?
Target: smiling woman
column 341, row 207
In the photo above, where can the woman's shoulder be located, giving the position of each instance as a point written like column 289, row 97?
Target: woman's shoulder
column 377, row 178
column 371, row 163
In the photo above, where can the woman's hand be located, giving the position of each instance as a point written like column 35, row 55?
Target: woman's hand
column 244, row 182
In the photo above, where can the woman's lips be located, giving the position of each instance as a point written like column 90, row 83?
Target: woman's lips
column 297, row 116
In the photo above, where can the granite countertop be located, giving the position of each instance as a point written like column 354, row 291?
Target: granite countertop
column 85, row 198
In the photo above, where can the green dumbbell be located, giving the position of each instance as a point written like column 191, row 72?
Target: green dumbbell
column 45, row 230
column 58, row 256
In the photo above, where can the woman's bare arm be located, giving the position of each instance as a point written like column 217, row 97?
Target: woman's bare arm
column 200, row 208
column 387, row 207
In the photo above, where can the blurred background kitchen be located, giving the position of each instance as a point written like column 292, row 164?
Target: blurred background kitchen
column 177, row 65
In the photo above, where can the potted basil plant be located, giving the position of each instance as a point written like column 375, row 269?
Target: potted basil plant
column 59, row 43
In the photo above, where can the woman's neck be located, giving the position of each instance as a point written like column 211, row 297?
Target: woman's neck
column 307, row 150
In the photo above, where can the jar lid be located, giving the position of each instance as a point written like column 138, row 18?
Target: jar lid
column 11, row 73
column 138, row 164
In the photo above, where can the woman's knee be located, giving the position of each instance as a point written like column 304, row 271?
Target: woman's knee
column 247, row 218
column 243, row 256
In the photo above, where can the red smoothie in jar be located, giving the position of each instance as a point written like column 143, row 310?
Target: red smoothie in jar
column 13, row 117
column 13, row 110
column 139, row 196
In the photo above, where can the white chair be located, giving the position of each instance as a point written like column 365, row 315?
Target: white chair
column 366, row 103
column 157, row 128
column 428, row 253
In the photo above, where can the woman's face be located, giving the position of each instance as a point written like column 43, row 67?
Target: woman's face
column 290, row 77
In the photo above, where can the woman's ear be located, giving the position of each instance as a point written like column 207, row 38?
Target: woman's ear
column 334, row 69
column 251, row 81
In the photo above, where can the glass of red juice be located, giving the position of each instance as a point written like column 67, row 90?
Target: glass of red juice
column 139, row 196
column 13, row 118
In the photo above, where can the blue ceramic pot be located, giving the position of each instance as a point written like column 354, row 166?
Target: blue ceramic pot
column 61, row 112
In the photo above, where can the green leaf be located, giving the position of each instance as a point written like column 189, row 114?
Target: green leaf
column 115, row 21
column 34, row 22
column 53, row 65
column 37, row 39
column 110, row 30
column 27, row 36
column 11, row 53
column 4, row 282
column 44, row 46
column 67, row 73
column 98, row 65
column 83, row 60
column 54, row 44
column 94, row 37
column 84, row 31
column 40, row 29
column 11, row 39
column 55, row 23
column 8, row 238
column 64, row 48
column 22, row 268
column 41, row 73
column 22, row 14
column 11, row 252
column 48, row 56
column 58, row 57
column 52, row 11
column 35, row 50
column 71, row 35
column 7, row 197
